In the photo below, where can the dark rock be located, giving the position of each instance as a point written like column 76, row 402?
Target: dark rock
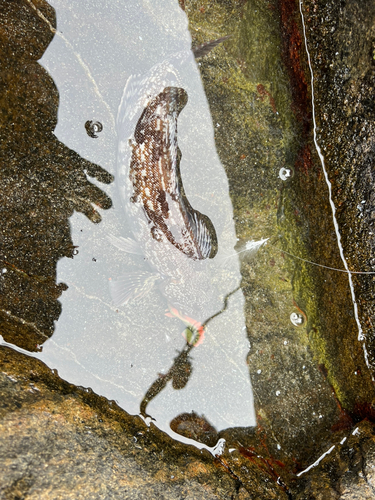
column 28, row 27
column 58, row 440
column 346, row 472
column 195, row 427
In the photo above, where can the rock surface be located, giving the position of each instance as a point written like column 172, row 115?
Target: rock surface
column 312, row 386
column 347, row 472
column 62, row 441
column 340, row 38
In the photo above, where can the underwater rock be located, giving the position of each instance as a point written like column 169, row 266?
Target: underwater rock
column 346, row 471
column 195, row 427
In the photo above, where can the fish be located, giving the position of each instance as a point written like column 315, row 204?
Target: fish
column 156, row 180
column 175, row 239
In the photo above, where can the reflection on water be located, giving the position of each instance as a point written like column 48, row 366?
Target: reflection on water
column 148, row 354
column 43, row 182
column 156, row 302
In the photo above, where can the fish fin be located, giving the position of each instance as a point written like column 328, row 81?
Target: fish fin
column 125, row 244
column 131, row 286
column 205, row 48
column 130, row 96
column 205, row 235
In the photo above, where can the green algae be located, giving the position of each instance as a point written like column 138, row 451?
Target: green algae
column 257, row 133
column 249, row 95
column 246, row 82
column 324, row 294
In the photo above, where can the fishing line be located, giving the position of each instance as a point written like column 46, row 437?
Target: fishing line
column 254, row 246
column 319, row 265
column 361, row 336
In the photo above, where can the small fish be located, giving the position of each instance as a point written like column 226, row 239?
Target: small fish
column 157, row 186
column 175, row 238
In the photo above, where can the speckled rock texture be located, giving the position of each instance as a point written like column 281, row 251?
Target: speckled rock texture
column 319, row 288
column 347, row 472
column 313, row 389
column 58, row 441
column 340, row 38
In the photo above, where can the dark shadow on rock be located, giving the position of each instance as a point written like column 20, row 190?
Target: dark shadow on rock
column 195, row 427
column 58, row 439
column 179, row 373
column 42, row 180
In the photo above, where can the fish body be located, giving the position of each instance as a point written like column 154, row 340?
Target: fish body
column 155, row 177
column 175, row 239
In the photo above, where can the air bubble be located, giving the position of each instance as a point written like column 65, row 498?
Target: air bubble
column 93, row 128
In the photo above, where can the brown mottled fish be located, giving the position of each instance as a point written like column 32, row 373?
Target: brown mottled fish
column 175, row 238
column 157, row 186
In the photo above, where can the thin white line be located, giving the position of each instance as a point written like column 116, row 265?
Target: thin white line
column 321, row 265
column 80, row 60
column 321, row 157
column 281, row 250
column 317, row 462
column 24, row 322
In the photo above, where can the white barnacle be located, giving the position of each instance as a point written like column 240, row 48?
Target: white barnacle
column 285, row 173
column 297, row 319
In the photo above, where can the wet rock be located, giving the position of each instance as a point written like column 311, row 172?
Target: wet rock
column 195, row 427
column 28, row 28
column 343, row 63
column 347, row 472
column 339, row 39
column 58, row 440
column 323, row 292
